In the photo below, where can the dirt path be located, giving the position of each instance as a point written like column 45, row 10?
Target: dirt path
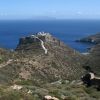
column 42, row 44
column 6, row 63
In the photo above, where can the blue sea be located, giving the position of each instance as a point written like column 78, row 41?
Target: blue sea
column 66, row 30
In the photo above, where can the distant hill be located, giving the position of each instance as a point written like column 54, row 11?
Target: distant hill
column 95, row 39
column 43, row 18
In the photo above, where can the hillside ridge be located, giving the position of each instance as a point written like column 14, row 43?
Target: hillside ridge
column 42, row 58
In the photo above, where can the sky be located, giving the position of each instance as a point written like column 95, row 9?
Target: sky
column 49, row 9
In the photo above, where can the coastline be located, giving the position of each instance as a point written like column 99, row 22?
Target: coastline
column 66, row 30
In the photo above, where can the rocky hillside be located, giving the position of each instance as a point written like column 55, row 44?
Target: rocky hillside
column 4, row 55
column 42, row 65
column 41, row 58
column 59, row 90
column 94, row 56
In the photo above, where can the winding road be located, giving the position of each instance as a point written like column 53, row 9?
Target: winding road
column 42, row 44
column 6, row 63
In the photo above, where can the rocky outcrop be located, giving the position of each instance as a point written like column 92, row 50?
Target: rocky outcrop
column 95, row 39
column 36, row 41
column 90, row 79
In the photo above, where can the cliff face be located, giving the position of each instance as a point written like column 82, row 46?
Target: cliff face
column 42, row 58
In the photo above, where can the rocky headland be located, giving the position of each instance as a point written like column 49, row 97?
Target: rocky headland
column 42, row 58
column 94, row 39
column 43, row 65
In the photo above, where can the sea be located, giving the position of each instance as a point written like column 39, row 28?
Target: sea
column 66, row 30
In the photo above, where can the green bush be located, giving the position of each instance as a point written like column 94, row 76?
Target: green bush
column 24, row 82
